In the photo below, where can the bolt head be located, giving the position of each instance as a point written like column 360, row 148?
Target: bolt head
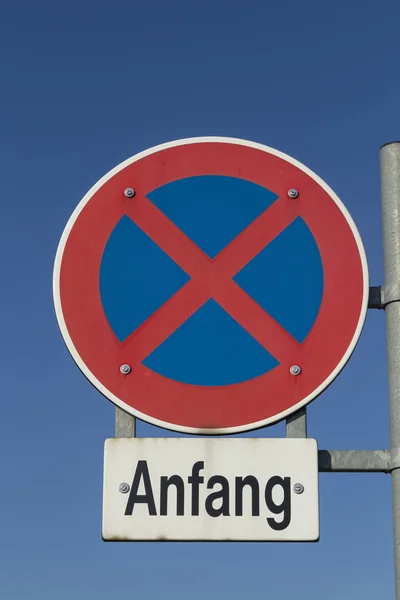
column 129, row 192
column 298, row 488
column 295, row 370
column 124, row 488
column 293, row 193
column 125, row 369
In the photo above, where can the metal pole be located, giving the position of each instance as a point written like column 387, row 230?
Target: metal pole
column 390, row 196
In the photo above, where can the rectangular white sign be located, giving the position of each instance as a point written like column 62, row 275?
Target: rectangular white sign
column 210, row 489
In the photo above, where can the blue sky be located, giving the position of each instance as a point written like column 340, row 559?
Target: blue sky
column 85, row 85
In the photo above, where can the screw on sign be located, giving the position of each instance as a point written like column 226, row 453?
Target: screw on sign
column 224, row 285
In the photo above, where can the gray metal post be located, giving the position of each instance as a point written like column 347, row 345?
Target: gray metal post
column 390, row 195
column 125, row 424
column 296, row 424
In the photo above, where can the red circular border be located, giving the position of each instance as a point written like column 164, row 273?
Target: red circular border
column 178, row 405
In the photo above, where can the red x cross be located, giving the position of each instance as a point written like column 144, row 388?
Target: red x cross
column 210, row 278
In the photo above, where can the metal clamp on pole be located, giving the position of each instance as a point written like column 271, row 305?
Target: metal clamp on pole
column 382, row 295
column 390, row 293
column 394, row 459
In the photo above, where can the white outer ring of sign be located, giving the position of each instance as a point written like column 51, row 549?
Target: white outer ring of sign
column 172, row 426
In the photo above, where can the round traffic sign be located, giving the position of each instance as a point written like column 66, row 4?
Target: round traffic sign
column 211, row 285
